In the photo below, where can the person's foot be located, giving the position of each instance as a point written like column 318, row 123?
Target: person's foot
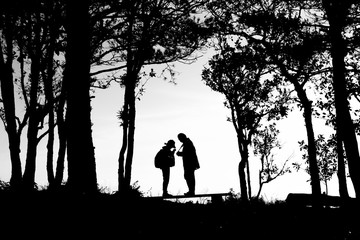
column 189, row 194
column 167, row 195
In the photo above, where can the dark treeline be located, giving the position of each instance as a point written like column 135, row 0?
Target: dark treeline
column 296, row 44
column 54, row 52
column 271, row 56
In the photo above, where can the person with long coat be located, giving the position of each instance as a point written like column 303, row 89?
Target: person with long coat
column 190, row 162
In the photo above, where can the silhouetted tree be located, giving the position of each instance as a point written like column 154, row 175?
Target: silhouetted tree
column 51, row 75
column 35, row 49
column 252, row 94
column 327, row 158
column 60, row 123
column 140, row 33
column 288, row 42
column 80, row 148
column 35, row 39
column 8, row 17
column 325, row 109
column 31, row 43
column 265, row 141
column 337, row 15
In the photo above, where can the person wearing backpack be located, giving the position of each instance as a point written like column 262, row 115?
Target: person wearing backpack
column 164, row 160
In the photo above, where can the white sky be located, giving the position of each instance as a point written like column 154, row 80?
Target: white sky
column 164, row 111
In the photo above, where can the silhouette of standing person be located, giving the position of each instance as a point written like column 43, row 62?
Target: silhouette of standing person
column 190, row 162
column 165, row 159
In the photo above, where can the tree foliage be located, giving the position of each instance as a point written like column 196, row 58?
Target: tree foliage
column 265, row 142
column 326, row 150
column 252, row 91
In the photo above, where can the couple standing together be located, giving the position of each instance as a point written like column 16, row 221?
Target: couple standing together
column 165, row 159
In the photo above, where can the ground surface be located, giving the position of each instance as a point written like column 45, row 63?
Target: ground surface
column 108, row 216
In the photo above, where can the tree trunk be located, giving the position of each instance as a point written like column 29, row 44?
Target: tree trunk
column 314, row 170
column 248, row 178
column 128, row 124
column 80, row 148
column 242, row 177
column 242, row 145
column 60, row 162
column 307, row 105
column 34, row 112
column 341, row 173
column 336, row 13
column 261, row 183
column 49, row 94
column 260, row 188
column 134, row 63
column 7, row 93
column 121, row 160
column 30, row 165
column 131, row 133
column 51, row 134
column 244, row 159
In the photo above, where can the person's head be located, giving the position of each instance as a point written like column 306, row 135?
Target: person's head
column 182, row 137
column 170, row 143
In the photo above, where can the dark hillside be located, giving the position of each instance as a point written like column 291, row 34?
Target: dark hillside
column 47, row 215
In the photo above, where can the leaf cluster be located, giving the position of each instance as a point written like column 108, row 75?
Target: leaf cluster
column 138, row 33
column 248, row 82
column 326, row 150
column 265, row 142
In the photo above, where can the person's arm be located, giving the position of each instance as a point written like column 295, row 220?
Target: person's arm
column 180, row 153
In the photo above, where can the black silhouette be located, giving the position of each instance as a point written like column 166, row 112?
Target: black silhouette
column 190, row 162
column 134, row 44
column 249, row 100
column 164, row 160
column 53, row 52
column 337, row 15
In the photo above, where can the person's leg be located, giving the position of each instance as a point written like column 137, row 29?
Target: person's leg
column 166, row 179
column 190, row 181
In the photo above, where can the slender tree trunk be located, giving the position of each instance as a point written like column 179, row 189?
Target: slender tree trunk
column 134, row 60
column 30, row 165
column 242, row 165
column 326, row 188
column 50, row 150
column 7, row 93
column 307, row 105
column 32, row 135
column 128, row 124
column 51, row 121
column 49, row 94
column 262, row 159
column 50, row 146
column 341, row 173
column 60, row 162
column 131, row 132
column 260, row 188
column 121, row 160
column 235, row 111
column 80, row 148
column 248, row 177
column 242, row 177
column 336, row 13
column 314, row 170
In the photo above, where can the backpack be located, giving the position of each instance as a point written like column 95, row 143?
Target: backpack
column 158, row 159
column 162, row 159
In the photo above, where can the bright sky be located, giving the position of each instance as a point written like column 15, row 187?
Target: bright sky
column 164, row 111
